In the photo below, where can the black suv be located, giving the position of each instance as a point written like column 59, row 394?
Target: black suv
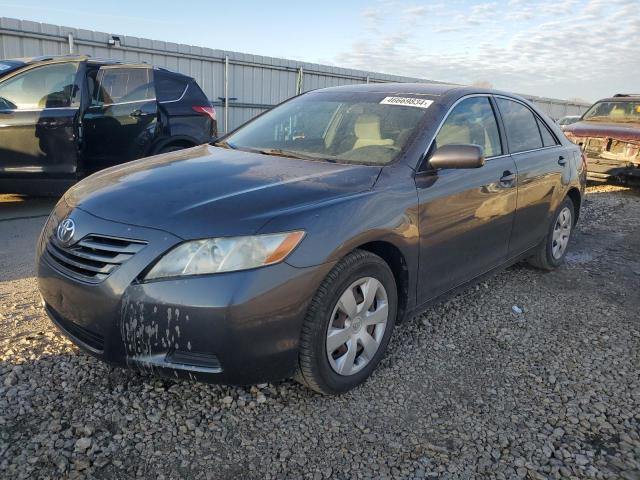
column 65, row 117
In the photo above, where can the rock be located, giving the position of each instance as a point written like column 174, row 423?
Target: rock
column 83, row 444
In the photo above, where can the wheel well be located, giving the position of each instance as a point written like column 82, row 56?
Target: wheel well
column 396, row 261
column 575, row 197
column 175, row 143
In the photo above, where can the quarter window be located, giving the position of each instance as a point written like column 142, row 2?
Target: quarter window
column 548, row 139
column 472, row 121
column 119, row 85
column 48, row 86
column 169, row 88
column 520, row 125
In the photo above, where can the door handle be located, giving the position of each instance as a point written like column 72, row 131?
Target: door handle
column 562, row 160
column 139, row 113
column 507, row 179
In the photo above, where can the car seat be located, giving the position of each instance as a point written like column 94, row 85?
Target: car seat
column 367, row 131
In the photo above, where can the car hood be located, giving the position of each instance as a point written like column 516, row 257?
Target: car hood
column 208, row 191
column 629, row 132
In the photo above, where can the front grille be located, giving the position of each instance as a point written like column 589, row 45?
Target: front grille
column 93, row 340
column 93, row 258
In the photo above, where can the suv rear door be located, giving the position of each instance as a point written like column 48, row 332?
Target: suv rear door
column 39, row 108
column 120, row 123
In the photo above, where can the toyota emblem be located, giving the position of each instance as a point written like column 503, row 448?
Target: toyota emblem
column 66, row 229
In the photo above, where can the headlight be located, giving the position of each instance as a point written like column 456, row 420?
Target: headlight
column 226, row 254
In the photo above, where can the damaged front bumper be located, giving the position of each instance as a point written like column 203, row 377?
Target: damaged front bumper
column 612, row 159
column 234, row 328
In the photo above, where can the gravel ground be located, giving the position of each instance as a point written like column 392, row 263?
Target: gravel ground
column 469, row 389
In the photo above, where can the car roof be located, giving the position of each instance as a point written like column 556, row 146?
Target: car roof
column 91, row 60
column 433, row 89
column 622, row 97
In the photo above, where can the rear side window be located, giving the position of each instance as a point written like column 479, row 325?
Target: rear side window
column 49, row 86
column 119, row 85
column 169, row 87
column 548, row 139
column 472, row 121
column 521, row 126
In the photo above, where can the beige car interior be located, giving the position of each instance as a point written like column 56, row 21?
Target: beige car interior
column 460, row 130
column 367, row 132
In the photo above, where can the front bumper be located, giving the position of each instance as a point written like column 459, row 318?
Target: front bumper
column 602, row 169
column 235, row 328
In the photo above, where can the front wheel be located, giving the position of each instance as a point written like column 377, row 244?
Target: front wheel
column 552, row 252
column 348, row 325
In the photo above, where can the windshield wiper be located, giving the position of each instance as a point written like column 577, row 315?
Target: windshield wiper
column 285, row 153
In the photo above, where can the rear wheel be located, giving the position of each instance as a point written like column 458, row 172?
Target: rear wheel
column 551, row 254
column 348, row 324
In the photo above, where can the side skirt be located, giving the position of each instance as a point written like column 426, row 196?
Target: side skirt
column 474, row 281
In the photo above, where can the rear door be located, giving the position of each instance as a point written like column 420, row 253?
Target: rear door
column 120, row 124
column 541, row 161
column 39, row 109
column 466, row 215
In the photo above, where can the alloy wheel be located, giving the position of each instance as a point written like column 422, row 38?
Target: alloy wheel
column 357, row 326
column 561, row 233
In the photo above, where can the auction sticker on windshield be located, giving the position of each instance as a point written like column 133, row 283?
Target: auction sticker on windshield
column 407, row 102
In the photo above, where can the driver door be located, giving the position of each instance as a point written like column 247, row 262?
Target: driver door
column 465, row 215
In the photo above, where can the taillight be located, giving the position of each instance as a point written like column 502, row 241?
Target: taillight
column 205, row 110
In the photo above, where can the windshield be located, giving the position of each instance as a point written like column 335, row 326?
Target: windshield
column 614, row 112
column 367, row 128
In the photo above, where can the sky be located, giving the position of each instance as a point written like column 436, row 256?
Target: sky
column 569, row 49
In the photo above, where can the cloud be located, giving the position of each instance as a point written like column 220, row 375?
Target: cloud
column 585, row 48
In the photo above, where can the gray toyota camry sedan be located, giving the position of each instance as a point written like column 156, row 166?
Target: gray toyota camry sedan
column 292, row 246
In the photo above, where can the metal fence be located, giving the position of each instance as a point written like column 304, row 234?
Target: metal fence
column 240, row 85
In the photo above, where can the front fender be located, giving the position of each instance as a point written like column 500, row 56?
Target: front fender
column 337, row 227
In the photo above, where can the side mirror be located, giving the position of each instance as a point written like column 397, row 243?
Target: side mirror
column 457, row 156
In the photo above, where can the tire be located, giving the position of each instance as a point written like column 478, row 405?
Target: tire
column 552, row 252
column 329, row 373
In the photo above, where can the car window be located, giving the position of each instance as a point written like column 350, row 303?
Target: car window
column 520, row 125
column 472, row 121
column 168, row 87
column 48, row 86
column 548, row 140
column 119, row 85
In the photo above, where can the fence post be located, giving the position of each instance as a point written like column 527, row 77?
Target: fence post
column 71, row 45
column 300, row 81
column 226, row 94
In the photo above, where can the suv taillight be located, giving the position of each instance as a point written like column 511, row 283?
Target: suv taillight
column 206, row 110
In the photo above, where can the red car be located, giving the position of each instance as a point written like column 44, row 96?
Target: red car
column 609, row 134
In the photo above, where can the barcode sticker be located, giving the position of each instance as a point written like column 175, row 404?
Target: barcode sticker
column 407, row 102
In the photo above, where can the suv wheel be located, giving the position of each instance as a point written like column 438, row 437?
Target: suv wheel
column 551, row 254
column 348, row 324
